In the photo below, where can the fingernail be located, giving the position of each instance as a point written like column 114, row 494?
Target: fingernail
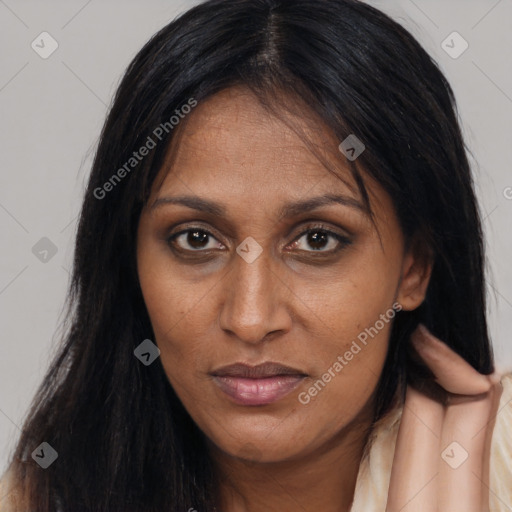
column 429, row 337
column 495, row 377
column 420, row 334
column 424, row 330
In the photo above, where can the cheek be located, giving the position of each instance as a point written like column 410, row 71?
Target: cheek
column 182, row 317
column 176, row 316
column 351, row 297
column 178, row 335
column 349, row 363
column 353, row 314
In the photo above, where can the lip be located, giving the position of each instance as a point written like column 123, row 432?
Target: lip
column 259, row 371
column 257, row 385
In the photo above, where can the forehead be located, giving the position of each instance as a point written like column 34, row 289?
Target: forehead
column 231, row 139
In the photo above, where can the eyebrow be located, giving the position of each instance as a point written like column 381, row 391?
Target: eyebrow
column 290, row 209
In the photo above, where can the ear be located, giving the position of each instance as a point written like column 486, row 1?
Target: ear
column 415, row 275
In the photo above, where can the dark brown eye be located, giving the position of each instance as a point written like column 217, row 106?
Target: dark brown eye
column 194, row 240
column 320, row 240
column 317, row 239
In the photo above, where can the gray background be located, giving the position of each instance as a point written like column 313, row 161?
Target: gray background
column 52, row 111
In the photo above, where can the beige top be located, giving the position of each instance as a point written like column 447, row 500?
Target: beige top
column 375, row 471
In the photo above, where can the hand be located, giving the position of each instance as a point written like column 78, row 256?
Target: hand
column 442, row 453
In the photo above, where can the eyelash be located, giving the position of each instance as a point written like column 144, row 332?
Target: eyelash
column 343, row 241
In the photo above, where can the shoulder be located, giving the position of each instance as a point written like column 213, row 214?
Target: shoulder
column 8, row 502
column 501, row 452
column 11, row 499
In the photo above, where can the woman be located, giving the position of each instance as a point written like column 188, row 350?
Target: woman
column 278, row 288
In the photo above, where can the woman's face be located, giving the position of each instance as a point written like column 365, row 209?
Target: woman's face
column 247, row 284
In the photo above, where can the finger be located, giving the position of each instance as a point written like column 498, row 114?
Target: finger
column 414, row 473
column 489, row 429
column 452, row 372
column 465, row 441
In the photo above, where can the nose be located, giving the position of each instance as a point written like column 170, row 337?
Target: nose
column 256, row 301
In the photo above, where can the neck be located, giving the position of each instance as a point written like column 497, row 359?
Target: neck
column 323, row 479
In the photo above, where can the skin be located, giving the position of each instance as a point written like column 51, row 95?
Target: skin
column 293, row 304
column 421, row 480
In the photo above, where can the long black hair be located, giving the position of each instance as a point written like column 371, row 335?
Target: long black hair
column 124, row 441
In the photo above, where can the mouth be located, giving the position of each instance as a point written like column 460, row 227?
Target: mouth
column 257, row 385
